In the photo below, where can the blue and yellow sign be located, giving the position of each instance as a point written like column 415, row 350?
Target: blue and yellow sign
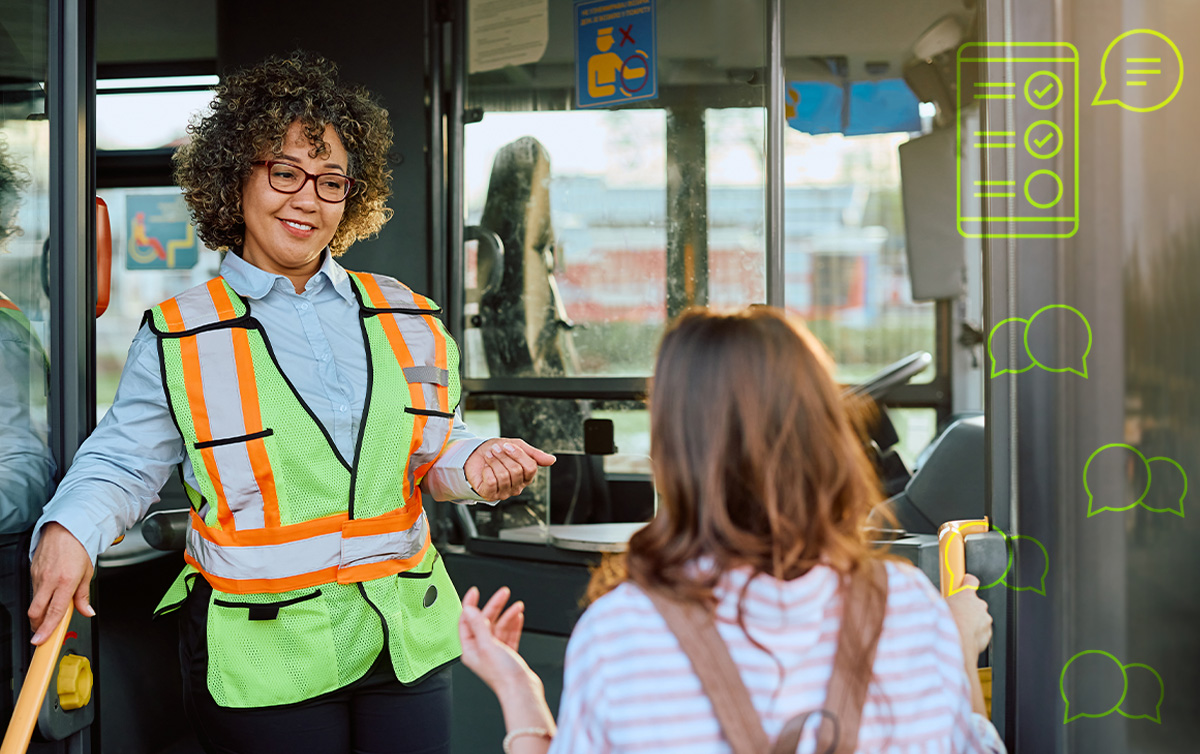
column 161, row 236
column 615, row 58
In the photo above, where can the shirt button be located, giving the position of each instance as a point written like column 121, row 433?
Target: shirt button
column 303, row 307
column 325, row 357
column 342, row 407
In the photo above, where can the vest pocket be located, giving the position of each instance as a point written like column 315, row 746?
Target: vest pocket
column 426, row 634
column 270, row 649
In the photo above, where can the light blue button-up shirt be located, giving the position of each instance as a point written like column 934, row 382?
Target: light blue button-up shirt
column 316, row 336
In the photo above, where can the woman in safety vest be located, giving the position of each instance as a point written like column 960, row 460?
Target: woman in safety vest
column 306, row 407
column 753, row 599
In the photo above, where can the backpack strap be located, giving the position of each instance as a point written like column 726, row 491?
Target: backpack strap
column 863, row 606
column 712, row 663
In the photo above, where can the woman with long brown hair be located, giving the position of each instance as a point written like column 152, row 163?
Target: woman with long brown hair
column 764, row 490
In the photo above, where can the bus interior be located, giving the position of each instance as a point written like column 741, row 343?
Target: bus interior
column 1019, row 314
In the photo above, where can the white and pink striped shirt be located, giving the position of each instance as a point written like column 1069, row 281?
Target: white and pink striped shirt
column 628, row 687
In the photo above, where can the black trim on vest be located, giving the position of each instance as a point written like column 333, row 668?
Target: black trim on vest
column 424, row 575
column 267, row 610
column 225, row 323
column 428, row 412
column 370, row 311
column 362, row 424
column 232, row 440
column 189, row 583
column 387, row 643
column 254, row 324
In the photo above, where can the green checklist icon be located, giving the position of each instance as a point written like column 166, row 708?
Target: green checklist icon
column 1018, row 174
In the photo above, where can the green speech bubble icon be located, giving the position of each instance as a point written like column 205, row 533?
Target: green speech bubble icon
column 1010, row 540
column 992, row 353
column 1091, row 498
column 1141, row 71
column 1138, row 677
column 1162, row 459
column 1082, row 371
column 1062, row 684
column 1141, row 500
column 1027, row 325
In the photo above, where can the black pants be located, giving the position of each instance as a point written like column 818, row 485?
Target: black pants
column 374, row 715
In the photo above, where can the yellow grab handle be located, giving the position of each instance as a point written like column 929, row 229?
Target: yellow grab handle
column 33, row 691
column 952, row 551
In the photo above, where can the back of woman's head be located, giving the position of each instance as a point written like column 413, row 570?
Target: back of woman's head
column 755, row 458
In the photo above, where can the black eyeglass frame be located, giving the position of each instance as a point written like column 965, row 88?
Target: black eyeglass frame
column 307, row 177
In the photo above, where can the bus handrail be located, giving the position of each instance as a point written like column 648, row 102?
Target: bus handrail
column 33, row 690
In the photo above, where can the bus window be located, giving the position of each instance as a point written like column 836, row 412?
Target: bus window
column 155, row 255
column 155, row 250
column 606, row 226
column 148, row 113
column 610, row 221
column 844, row 256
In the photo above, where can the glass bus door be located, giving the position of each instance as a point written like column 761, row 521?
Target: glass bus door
column 47, row 306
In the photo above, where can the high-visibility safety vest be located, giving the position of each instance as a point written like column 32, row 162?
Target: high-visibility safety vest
column 316, row 561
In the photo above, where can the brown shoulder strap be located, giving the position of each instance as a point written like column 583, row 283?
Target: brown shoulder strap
column 864, row 605
column 712, row 663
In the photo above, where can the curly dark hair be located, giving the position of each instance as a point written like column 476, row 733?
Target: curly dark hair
column 249, row 117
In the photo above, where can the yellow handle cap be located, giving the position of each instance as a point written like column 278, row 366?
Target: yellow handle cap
column 74, row 682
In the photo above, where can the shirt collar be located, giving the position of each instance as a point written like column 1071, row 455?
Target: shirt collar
column 255, row 283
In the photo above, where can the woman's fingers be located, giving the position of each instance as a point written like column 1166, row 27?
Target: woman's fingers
column 508, row 628
column 503, row 467
column 496, row 604
column 471, row 598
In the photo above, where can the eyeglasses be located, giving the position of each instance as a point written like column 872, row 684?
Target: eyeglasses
column 287, row 178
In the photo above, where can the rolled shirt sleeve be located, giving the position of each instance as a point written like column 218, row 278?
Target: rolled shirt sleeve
column 446, row 480
column 120, row 468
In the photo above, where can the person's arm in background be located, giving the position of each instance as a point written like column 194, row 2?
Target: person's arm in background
column 475, row 469
column 26, row 464
column 974, row 625
column 113, row 481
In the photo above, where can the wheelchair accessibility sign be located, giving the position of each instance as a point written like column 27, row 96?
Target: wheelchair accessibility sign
column 615, row 59
column 161, row 236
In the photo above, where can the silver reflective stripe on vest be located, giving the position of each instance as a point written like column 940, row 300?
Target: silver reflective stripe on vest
column 436, row 375
column 376, row 548
column 277, row 561
column 196, row 307
column 398, row 296
column 291, row 559
column 226, row 420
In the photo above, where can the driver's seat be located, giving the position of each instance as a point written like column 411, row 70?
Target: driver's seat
column 949, row 483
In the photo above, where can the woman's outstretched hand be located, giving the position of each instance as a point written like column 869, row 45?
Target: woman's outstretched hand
column 489, row 648
column 501, row 468
column 490, row 637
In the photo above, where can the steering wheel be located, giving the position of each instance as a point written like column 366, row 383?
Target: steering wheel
column 878, row 385
column 881, row 435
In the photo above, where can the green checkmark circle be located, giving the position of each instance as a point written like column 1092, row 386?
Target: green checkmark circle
column 1043, row 90
column 1043, row 139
